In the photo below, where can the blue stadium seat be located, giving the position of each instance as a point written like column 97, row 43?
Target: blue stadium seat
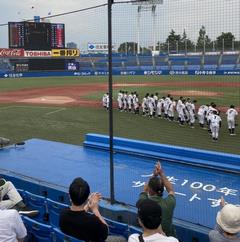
column 117, row 228
column 37, row 202
column 59, row 236
column 38, row 232
column 54, row 209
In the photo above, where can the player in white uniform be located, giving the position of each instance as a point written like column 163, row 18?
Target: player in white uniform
column 188, row 105
column 231, row 119
column 125, row 99
column 120, row 100
column 155, row 97
column 104, row 100
column 160, row 109
column 171, row 108
column 130, row 101
column 166, row 105
column 182, row 112
column 179, row 103
column 151, row 105
column 136, row 104
column 215, row 122
column 211, row 109
column 202, row 110
column 145, row 105
column 192, row 113
column 107, row 101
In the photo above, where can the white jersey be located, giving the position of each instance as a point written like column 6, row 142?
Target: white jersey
column 191, row 109
column 215, row 120
column 11, row 226
column 202, row 110
column 152, row 238
column 210, row 112
column 130, row 99
column 231, row 114
column 179, row 103
column 120, row 97
column 151, row 102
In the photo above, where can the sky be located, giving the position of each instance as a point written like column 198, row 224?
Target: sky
column 91, row 26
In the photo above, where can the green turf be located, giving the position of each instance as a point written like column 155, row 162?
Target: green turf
column 69, row 125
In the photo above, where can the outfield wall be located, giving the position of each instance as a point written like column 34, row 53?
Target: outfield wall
column 120, row 73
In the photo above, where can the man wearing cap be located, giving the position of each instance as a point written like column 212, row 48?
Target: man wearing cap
column 154, row 190
column 150, row 217
column 228, row 224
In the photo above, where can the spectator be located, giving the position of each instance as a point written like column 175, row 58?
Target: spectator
column 228, row 224
column 149, row 217
column 10, row 198
column 154, row 190
column 77, row 222
column 11, row 226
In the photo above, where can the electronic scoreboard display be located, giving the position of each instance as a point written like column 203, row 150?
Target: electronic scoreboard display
column 36, row 36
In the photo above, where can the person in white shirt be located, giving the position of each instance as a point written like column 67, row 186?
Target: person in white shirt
column 151, row 105
column 171, row 108
column 202, row 115
column 231, row 119
column 166, row 104
column 104, row 100
column 136, row 104
column 149, row 217
column 192, row 113
column 120, row 100
column 145, row 105
column 160, row 109
column 215, row 124
column 12, row 228
column 182, row 112
column 130, row 102
column 179, row 103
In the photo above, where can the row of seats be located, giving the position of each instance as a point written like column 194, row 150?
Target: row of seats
column 45, row 227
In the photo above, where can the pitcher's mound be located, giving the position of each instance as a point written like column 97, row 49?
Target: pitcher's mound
column 48, row 100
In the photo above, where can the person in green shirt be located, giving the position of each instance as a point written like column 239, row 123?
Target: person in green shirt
column 154, row 190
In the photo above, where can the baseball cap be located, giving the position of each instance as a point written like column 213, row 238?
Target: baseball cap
column 229, row 218
column 149, row 212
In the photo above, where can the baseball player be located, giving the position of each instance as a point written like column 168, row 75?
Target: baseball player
column 202, row 111
column 188, row 105
column 166, row 105
column 120, row 100
column 231, row 119
column 182, row 112
column 215, row 124
column 136, row 104
column 104, row 100
column 179, row 103
column 192, row 113
column 160, row 109
column 151, row 105
column 130, row 101
column 125, row 100
column 171, row 108
column 145, row 105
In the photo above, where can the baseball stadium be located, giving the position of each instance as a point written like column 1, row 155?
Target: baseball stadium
column 105, row 90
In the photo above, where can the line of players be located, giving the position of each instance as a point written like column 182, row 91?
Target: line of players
column 165, row 107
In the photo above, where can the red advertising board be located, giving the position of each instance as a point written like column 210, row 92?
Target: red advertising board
column 4, row 52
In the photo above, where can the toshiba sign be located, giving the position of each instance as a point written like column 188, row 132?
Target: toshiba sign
column 4, row 52
column 36, row 53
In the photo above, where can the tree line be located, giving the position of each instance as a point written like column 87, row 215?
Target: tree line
column 176, row 43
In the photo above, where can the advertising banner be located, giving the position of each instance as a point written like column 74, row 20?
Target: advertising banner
column 4, row 52
column 65, row 52
column 37, row 53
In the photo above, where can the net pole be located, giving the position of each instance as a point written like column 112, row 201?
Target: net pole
column 112, row 197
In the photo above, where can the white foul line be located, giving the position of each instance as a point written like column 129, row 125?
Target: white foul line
column 56, row 111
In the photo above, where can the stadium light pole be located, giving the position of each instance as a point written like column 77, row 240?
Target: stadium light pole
column 110, row 91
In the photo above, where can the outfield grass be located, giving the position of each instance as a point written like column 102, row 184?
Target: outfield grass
column 69, row 125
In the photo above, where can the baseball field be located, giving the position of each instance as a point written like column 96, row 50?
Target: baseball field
column 66, row 108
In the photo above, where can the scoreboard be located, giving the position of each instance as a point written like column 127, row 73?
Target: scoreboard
column 36, row 36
